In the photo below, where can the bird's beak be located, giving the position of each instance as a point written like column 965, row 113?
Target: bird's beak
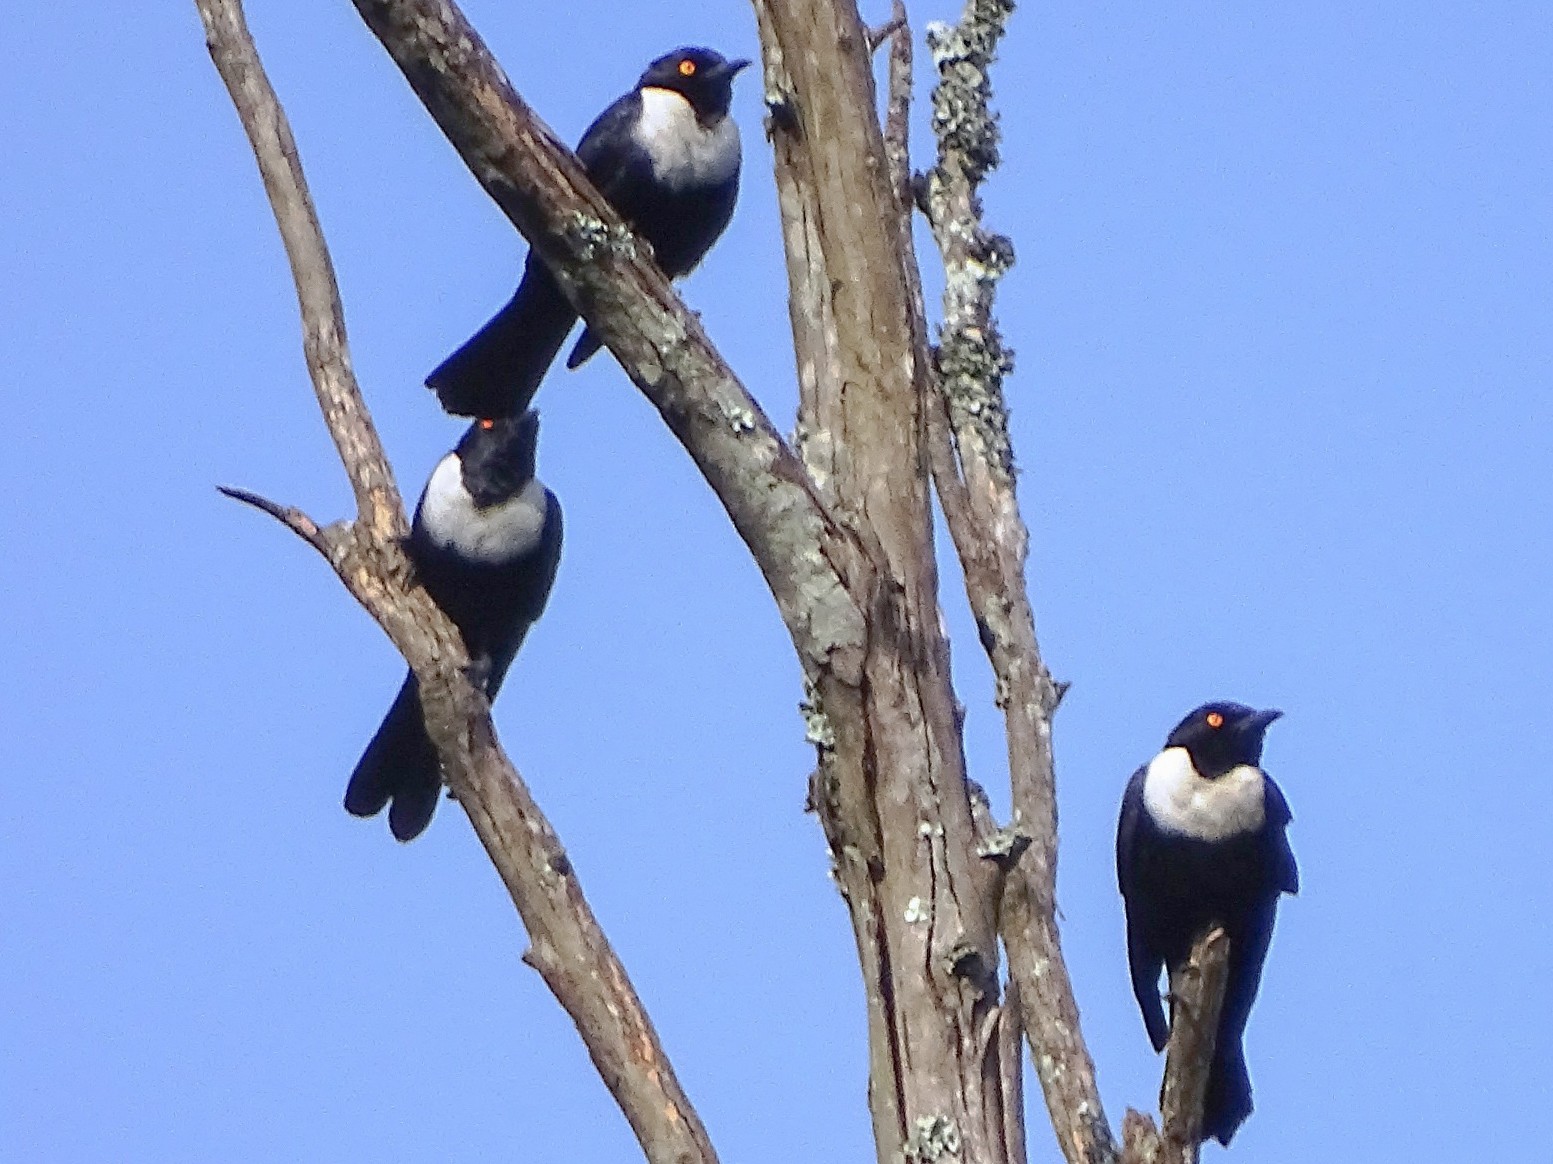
column 1260, row 721
column 731, row 67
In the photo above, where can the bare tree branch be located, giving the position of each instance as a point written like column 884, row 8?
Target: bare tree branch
column 322, row 540
column 897, row 122
column 629, row 304
column 568, row 948
column 1011, row 1067
column 1140, row 1139
column 1196, row 1000
column 323, row 316
column 886, row 31
column 973, row 473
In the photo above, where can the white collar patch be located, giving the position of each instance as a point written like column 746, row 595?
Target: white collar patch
column 495, row 536
column 685, row 154
column 1182, row 801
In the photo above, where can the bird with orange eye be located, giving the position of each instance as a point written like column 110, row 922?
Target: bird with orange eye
column 666, row 156
column 1202, row 841
column 486, row 544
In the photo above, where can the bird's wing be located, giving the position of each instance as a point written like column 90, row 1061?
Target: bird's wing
column 1286, row 873
column 1127, row 831
column 607, row 153
column 1143, row 959
column 529, row 602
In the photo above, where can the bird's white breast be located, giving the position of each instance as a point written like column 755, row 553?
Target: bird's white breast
column 685, row 153
column 493, row 536
column 1182, row 801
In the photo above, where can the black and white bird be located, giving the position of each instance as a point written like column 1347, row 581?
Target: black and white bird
column 1202, row 841
column 485, row 542
column 666, row 156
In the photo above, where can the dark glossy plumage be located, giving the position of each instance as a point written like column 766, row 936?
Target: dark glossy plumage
column 678, row 209
column 492, row 599
column 1175, row 884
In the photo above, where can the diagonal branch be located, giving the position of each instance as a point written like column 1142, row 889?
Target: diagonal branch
column 629, row 304
column 974, row 476
column 568, row 948
column 320, row 538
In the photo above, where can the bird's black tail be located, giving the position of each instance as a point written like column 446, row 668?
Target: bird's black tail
column 1229, row 1093
column 399, row 770
column 498, row 370
column 587, row 344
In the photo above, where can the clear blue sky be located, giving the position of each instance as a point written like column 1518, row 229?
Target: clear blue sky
column 1282, row 408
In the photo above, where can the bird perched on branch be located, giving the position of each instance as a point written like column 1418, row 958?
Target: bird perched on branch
column 485, row 542
column 1202, row 841
column 666, row 156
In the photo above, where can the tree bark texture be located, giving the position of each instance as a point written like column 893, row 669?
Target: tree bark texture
column 891, row 792
column 841, row 530
column 973, row 469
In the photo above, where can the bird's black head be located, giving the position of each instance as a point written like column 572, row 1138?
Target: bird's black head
column 701, row 76
column 496, row 457
column 1221, row 736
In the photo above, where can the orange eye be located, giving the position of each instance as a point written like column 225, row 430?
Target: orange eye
column 1215, row 720
column 687, row 68
column 487, row 424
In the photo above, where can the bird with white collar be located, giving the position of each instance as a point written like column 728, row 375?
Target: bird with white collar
column 1201, row 842
column 666, row 155
column 486, row 543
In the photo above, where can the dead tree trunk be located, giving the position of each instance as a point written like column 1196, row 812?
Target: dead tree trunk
column 841, row 528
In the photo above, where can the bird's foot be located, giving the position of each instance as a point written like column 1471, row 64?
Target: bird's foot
column 479, row 672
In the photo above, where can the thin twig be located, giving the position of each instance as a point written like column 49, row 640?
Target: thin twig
column 972, row 361
column 1011, row 1068
column 288, row 515
column 568, row 947
column 883, row 32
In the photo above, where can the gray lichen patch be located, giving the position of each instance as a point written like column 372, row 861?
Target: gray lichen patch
column 594, row 239
column 932, row 1138
column 740, row 419
column 972, row 359
column 972, row 363
column 1003, row 846
column 816, row 724
column 962, row 122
